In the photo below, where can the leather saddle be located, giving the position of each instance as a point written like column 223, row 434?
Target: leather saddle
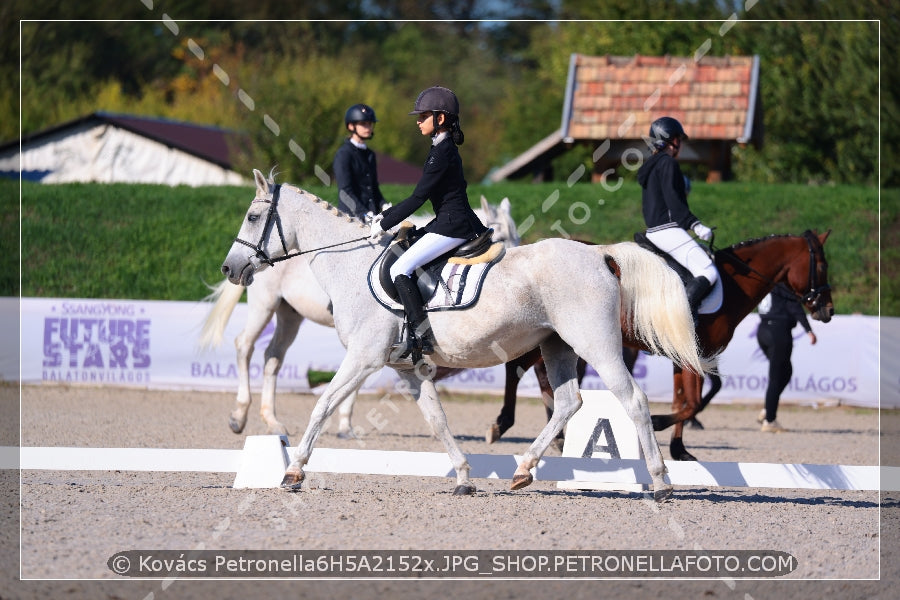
column 428, row 277
column 713, row 299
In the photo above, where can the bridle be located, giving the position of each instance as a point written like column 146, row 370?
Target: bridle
column 274, row 220
column 813, row 296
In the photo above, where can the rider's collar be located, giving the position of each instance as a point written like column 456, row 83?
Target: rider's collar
column 360, row 145
column 440, row 138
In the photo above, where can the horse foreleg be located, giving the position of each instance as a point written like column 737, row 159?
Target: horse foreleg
column 562, row 374
column 428, row 402
column 350, row 375
column 287, row 323
column 515, row 369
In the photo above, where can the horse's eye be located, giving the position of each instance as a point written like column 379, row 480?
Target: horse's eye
column 253, row 218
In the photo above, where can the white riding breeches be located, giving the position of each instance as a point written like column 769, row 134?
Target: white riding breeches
column 678, row 244
column 425, row 250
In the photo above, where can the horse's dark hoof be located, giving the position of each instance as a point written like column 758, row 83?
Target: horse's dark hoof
column 693, row 424
column 662, row 493
column 683, row 455
column 235, row 425
column 464, row 490
column 558, row 443
column 660, row 422
column 346, row 435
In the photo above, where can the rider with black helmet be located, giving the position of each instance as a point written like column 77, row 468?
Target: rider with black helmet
column 454, row 223
column 355, row 168
column 666, row 213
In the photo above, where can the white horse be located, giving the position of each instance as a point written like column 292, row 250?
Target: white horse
column 290, row 291
column 568, row 298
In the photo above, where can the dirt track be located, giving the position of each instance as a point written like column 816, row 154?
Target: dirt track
column 72, row 522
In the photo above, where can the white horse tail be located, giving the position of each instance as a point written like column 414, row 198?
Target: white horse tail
column 655, row 308
column 226, row 295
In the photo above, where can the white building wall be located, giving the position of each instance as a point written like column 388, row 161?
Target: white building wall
column 104, row 153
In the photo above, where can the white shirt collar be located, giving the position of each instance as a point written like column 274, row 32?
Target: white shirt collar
column 440, row 138
column 360, row 145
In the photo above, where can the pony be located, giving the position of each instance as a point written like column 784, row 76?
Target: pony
column 289, row 291
column 538, row 294
column 749, row 270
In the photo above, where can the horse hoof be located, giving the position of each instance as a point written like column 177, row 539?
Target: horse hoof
column 694, row 424
column 684, row 455
column 662, row 493
column 660, row 422
column 493, row 434
column 558, row 443
column 346, row 435
column 464, row 490
column 520, row 481
column 277, row 430
column 292, row 481
column 236, row 426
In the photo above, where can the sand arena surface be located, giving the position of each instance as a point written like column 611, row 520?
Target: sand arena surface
column 72, row 522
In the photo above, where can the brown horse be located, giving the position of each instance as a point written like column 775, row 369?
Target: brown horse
column 749, row 270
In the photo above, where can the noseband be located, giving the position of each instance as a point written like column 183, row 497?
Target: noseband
column 274, row 220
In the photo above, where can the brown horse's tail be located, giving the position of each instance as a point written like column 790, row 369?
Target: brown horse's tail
column 655, row 309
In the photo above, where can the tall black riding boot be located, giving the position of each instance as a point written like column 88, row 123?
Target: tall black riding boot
column 696, row 289
column 419, row 327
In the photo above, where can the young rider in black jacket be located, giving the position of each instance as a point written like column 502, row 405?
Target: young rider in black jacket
column 442, row 182
column 666, row 213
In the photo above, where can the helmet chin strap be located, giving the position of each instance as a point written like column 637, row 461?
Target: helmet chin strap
column 356, row 133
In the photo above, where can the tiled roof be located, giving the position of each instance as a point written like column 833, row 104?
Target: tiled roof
column 617, row 97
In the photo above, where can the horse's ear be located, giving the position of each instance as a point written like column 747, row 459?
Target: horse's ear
column 485, row 206
column 505, row 205
column 262, row 186
column 824, row 236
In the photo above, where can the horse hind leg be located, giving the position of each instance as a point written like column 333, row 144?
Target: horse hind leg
column 287, row 324
column 345, row 413
column 244, row 344
column 515, row 370
column 561, row 363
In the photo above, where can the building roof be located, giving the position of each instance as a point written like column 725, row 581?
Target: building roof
column 617, row 97
column 206, row 142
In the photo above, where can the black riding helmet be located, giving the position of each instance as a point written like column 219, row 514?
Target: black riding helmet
column 436, row 100
column 664, row 131
column 360, row 112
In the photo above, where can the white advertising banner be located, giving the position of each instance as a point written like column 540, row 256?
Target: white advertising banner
column 153, row 344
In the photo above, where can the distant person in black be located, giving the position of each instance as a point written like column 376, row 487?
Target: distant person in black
column 779, row 312
column 354, row 165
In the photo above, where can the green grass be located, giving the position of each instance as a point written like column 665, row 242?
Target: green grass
column 160, row 243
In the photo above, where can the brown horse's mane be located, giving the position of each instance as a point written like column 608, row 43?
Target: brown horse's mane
column 755, row 241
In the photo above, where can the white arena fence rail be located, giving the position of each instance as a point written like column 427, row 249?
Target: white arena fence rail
column 147, row 344
column 601, row 452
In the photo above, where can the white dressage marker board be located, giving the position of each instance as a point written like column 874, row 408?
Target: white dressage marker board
column 437, row 464
column 601, row 429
